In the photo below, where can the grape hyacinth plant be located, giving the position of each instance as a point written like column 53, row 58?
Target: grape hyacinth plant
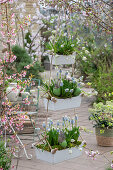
column 64, row 134
column 62, row 87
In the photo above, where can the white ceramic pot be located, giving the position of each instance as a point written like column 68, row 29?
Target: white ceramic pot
column 12, row 92
column 62, row 104
column 62, row 59
column 59, row 156
column 25, row 95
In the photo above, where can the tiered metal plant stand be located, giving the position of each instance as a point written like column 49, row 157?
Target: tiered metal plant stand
column 62, row 104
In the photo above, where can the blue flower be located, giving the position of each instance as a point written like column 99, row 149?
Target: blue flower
column 66, row 73
column 63, row 124
column 58, row 123
column 72, row 78
column 44, row 125
column 71, row 90
column 57, row 74
column 76, row 117
column 61, row 83
column 69, row 120
column 66, row 118
column 78, row 84
column 81, row 78
column 63, row 118
column 74, row 81
column 72, row 121
column 66, row 90
column 58, row 130
column 60, row 71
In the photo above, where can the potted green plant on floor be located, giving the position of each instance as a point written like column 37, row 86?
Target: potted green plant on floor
column 102, row 117
column 5, row 157
column 61, row 93
column 59, row 141
column 62, row 51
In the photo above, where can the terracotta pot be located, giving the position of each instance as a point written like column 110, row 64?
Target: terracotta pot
column 105, row 138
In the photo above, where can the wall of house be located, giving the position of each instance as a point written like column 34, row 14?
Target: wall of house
column 29, row 10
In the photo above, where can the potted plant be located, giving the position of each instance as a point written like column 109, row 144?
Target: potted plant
column 62, row 93
column 59, row 142
column 62, row 51
column 102, row 116
column 5, row 157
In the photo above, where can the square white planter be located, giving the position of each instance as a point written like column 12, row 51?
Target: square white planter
column 62, row 59
column 62, row 104
column 59, row 156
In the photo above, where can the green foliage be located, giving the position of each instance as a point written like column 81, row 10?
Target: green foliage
column 102, row 115
column 5, row 157
column 27, row 37
column 62, row 46
column 102, row 82
column 64, row 144
column 77, row 92
column 72, row 134
column 29, row 44
column 91, row 57
column 52, row 137
column 22, row 60
column 35, row 70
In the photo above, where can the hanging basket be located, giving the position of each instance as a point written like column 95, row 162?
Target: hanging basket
column 105, row 138
column 62, row 104
column 62, row 59
column 59, row 156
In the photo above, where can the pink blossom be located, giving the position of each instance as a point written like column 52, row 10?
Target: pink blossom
column 112, row 165
column 92, row 154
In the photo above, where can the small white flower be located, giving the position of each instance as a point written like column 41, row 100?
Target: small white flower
column 65, row 34
column 84, row 58
column 105, row 45
column 86, row 51
column 62, row 45
column 52, row 21
column 54, row 31
column 80, row 149
column 66, row 90
column 71, row 90
column 72, row 45
column 72, row 140
column 70, row 151
column 83, row 48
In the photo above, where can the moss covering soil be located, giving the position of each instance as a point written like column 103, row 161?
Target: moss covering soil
column 46, row 147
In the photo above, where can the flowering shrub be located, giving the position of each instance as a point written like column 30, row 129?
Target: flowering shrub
column 102, row 82
column 5, row 157
column 62, row 87
column 102, row 114
column 64, row 135
column 62, row 46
